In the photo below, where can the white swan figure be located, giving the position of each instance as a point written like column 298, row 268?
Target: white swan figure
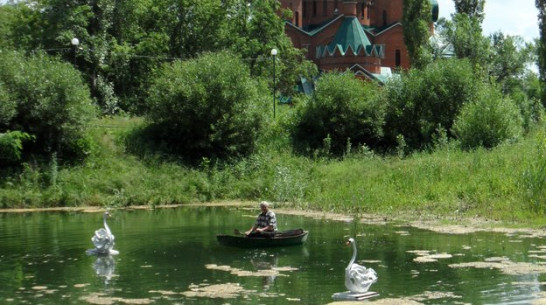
column 358, row 279
column 103, row 240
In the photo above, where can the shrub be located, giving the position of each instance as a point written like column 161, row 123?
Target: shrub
column 422, row 101
column 207, row 107
column 343, row 108
column 488, row 121
column 53, row 104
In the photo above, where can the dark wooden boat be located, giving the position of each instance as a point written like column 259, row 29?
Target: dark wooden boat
column 279, row 239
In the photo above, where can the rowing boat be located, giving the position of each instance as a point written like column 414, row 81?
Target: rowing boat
column 279, row 239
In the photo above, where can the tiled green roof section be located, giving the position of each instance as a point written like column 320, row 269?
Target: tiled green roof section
column 350, row 34
column 312, row 29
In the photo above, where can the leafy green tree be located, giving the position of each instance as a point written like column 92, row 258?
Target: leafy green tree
column 53, row 104
column 488, row 121
column 508, row 59
column 20, row 26
column 207, row 107
column 423, row 102
column 416, row 19
column 253, row 30
column 465, row 34
column 541, row 6
column 472, row 8
column 344, row 110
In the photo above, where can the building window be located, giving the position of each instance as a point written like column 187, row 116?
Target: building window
column 314, row 8
column 397, row 59
column 304, row 9
column 324, row 7
column 335, row 4
column 363, row 10
column 384, row 18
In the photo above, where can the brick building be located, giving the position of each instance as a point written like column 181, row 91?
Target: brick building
column 364, row 36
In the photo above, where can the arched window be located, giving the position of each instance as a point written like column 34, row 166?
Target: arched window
column 384, row 18
column 297, row 17
column 397, row 59
column 314, row 8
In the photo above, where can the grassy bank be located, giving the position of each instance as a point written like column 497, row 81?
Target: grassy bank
column 506, row 183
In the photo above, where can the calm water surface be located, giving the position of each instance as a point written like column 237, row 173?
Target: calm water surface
column 171, row 256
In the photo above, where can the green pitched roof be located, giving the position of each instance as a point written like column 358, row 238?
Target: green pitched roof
column 350, row 34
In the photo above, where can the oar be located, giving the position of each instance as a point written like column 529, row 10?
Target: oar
column 237, row 232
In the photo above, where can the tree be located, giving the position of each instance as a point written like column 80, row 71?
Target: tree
column 488, row 121
column 256, row 27
column 508, row 59
column 343, row 111
column 472, row 8
column 541, row 6
column 423, row 102
column 465, row 34
column 20, row 27
column 207, row 107
column 416, row 19
column 52, row 103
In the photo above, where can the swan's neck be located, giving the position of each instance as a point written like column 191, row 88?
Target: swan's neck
column 106, row 225
column 354, row 255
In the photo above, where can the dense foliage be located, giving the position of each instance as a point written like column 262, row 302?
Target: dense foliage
column 472, row 8
column 416, row 17
column 207, row 107
column 488, row 120
column 121, row 43
column 344, row 112
column 422, row 103
column 11, row 146
column 47, row 99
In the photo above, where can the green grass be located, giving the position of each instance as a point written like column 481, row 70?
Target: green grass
column 506, row 183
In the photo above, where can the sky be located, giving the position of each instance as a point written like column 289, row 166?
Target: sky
column 510, row 17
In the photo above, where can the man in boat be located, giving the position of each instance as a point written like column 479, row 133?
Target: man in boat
column 266, row 223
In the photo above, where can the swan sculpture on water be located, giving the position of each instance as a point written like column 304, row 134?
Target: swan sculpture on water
column 358, row 279
column 103, row 240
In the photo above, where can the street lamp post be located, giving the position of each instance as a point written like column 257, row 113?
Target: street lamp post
column 274, row 54
column 75, row 43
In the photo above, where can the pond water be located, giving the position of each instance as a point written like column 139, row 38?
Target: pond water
column 171, row 256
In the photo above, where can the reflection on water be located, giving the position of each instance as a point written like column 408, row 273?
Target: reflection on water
column 266, row 262
column 171, row 256
column 105, row 267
